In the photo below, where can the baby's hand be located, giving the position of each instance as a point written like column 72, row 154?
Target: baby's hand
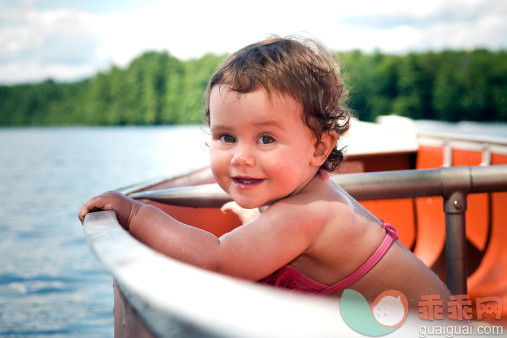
column 245, row 215
column 124, row 207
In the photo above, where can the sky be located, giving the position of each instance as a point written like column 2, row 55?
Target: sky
column 68, row 40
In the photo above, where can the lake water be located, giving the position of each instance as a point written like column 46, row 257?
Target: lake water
column 50, row 282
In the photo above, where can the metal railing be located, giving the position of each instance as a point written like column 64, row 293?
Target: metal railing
column 451, row 183
column 485, row 145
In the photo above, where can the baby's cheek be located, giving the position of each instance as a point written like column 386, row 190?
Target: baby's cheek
column 287, row 177
column 220, row 171
column 217, row 164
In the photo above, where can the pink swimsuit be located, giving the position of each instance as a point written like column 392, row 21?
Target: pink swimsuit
column 288, row 277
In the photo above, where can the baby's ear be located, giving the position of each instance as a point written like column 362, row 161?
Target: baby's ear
column 324, row 147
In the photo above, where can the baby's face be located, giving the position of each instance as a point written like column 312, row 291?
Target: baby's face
column 261, row 150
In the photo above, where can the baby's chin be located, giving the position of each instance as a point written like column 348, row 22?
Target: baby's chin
column 248, row 205
column 261, row 207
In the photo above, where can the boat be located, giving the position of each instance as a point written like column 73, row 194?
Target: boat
column 446, row 193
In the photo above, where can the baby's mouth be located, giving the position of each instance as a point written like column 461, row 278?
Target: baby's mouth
column 246, row 182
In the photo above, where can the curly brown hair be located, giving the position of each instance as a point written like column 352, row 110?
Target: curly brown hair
column 300, row 68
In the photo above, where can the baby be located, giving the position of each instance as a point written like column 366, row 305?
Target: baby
column 276, row 110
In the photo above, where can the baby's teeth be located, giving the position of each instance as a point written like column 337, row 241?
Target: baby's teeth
column 248, row 181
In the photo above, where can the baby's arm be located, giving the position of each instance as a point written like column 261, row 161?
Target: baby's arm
column 156, row 229
column 250, row 252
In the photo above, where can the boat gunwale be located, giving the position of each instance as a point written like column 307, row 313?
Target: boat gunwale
column 188, row 300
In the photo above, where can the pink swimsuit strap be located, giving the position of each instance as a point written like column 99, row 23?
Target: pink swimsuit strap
column 319, row 288
column 391, row 236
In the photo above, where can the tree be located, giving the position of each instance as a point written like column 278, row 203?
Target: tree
column 157, row 88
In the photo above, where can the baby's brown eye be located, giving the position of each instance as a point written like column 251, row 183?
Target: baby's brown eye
column 266, row 139
column 227, row 138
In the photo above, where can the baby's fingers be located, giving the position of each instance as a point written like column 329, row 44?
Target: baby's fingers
column 94, row 204
column 84, row 211
column 245, row 215
column 229, row 206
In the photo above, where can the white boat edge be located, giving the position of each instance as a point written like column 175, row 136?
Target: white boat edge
column 175, row 299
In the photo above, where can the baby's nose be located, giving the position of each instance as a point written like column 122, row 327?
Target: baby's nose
column 243, row 156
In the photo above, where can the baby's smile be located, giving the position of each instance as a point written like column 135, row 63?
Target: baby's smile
column 246, row 182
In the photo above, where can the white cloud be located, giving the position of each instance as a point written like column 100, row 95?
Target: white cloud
column 37, row 44
column 16, row 71
column 69, row 43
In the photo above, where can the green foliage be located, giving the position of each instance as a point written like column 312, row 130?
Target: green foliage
column 448, row 86
column 157, row 88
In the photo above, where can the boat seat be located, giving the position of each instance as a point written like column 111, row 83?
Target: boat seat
column 430, row 218
column 490, row 278
column 477, row 221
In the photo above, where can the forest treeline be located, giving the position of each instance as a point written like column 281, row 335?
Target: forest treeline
column 157, row 88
